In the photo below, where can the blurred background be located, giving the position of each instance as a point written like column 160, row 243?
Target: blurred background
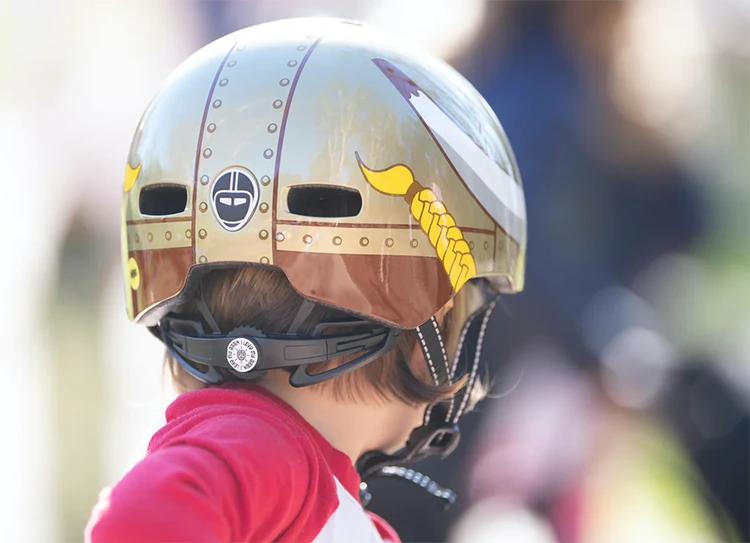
column 622, row 374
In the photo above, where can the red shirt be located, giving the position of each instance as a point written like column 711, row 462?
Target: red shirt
column 236, row 463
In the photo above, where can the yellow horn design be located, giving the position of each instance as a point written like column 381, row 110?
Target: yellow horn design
column 432, row 215
column 131, row 174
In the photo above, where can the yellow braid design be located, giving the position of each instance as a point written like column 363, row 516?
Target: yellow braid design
column 447, row 239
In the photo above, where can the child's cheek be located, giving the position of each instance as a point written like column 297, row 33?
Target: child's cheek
column 410, row 417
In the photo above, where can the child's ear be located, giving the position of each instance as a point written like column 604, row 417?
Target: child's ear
column 417, row 363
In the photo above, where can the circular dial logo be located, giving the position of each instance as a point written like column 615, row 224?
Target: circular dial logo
column 242, row 354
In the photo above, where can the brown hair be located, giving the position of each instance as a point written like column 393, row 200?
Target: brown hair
column 264, row 298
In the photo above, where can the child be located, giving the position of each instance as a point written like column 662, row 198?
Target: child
column 306, row 207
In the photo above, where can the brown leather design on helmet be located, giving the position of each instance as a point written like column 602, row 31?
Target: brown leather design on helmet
column 163, row 274
column 415, row 287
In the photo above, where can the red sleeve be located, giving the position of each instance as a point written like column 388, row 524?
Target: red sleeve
column 386, row 531
column 213, row 484
column 175, row 494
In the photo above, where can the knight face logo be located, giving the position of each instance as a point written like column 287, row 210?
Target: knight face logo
column 234, row 197
column 242, row 354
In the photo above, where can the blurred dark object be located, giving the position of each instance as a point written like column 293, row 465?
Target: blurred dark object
column 711, row 418
column 414, row 515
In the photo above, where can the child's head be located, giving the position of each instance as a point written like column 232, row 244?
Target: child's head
column 318, row 160
column 264, row 299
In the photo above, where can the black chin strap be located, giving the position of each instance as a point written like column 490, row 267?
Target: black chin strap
column 433, row 350
column 439, row 434
column 468, row 358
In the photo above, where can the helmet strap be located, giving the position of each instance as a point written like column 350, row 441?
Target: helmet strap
column 304, row 311
column 205, row 311
column 439, row 434
column 205, row 355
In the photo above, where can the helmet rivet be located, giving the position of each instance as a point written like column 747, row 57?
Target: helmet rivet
column 284, row 82
column 231, row 63
column 337, row 240
column 264, row 260
column 268, row 153
column 203, row 207
column 202, row 233
column 277, row 104
column 204, row 179
column 307, row 238
column 240, row 48
column 265, row 180
column 168, row 235
column 137, row 238
column 188, row 234
column 301, row 47
column 414, row 243
column 291, row 63
column 224, row 82
column 203, row 259
column 364, row 242
column 216, row 104
column 207, row 153
column 279, row 236
column 471, row 245
column 263, row 207
column 211, row 127
column 389, row 242
column 486, row 245
column 150, row 236
column 263, row 234
column 272, row 128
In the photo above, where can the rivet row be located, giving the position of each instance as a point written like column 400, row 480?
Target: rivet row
column 272, row 129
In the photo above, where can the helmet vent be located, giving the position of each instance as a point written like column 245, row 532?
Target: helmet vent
column 160, row 200
column 324, row 201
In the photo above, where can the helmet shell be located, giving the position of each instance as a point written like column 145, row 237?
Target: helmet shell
column 376, row 177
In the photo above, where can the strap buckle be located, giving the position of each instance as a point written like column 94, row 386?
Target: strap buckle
column 435, row 439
